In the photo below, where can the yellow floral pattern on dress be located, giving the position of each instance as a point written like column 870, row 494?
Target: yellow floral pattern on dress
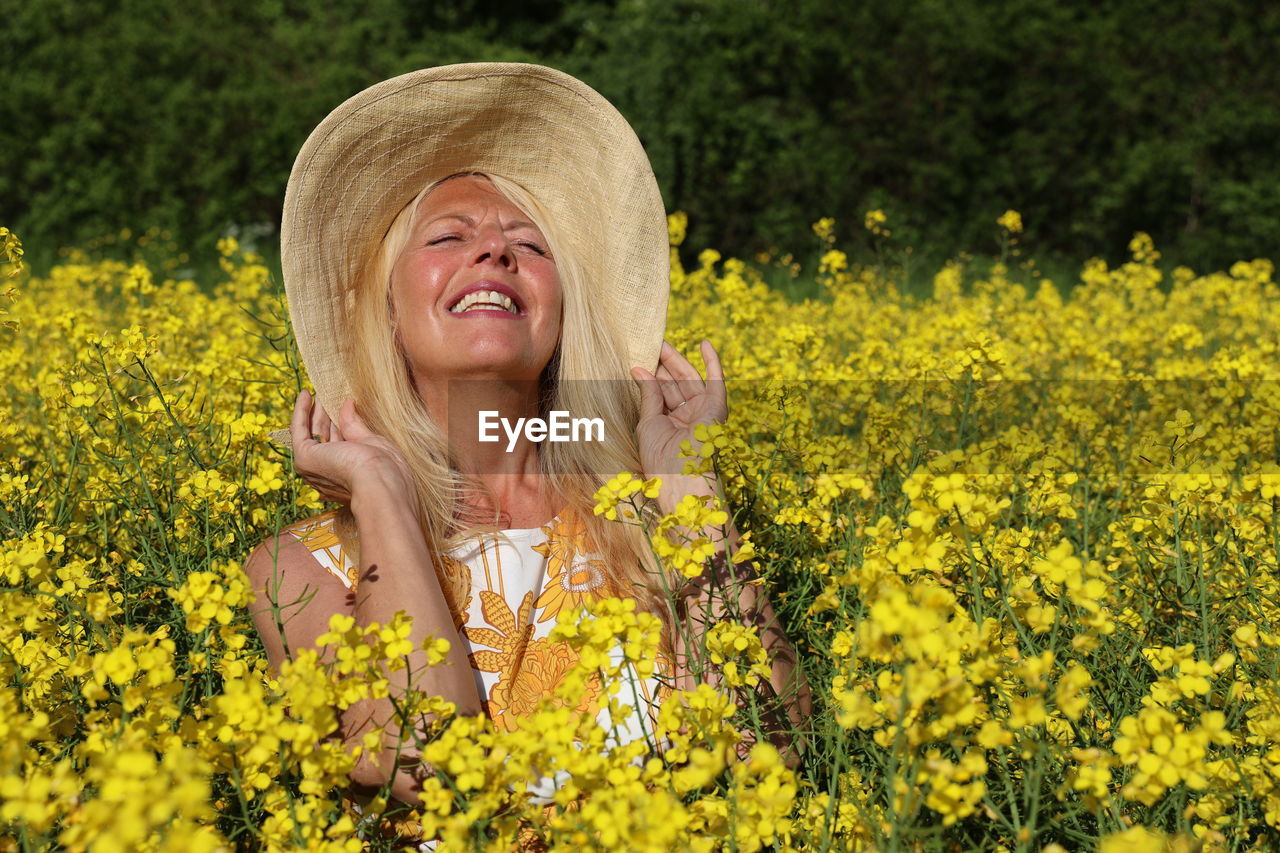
column 455, row 583
column 572, row 581
column 529, row 670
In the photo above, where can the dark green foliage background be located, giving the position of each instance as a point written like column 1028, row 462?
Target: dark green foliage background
column 1095, row 120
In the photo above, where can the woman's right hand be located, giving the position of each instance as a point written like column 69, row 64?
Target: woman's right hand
column 343, row 459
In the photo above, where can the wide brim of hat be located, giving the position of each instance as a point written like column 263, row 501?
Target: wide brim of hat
column 547, row 131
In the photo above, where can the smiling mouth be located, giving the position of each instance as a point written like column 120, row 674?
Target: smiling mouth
column 485, row 300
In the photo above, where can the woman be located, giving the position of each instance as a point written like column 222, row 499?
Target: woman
column 460, row 244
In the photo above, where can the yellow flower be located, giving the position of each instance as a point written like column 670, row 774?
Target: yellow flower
column 11, row 252
column 1011, row 221
column 677, row 224
column 730, row 646
column 620, row 489
column 269, row 477
column 1136, row 839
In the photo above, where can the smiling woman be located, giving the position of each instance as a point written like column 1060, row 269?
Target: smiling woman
column 486, row 240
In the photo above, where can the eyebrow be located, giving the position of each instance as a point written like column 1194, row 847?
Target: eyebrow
column 470, row 220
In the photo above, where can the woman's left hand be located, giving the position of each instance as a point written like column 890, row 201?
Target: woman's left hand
column 672, row 404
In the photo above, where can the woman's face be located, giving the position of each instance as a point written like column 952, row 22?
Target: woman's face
column 475, row 289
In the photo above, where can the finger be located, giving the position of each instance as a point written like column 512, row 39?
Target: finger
column 651, row 400
column 712, row 359
column 682, row 370
column 672, row 394
column 674, row 360
column 298, row 426
column 715, row 377
column 320, row 423
column 349, row 420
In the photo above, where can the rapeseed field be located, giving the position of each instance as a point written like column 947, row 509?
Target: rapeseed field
column 1022, row 532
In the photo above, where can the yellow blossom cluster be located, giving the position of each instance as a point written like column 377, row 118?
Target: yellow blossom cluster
column 205, row 599
column 686, row 538
column 621, row 489
column 737, row 650
column 1010, row 221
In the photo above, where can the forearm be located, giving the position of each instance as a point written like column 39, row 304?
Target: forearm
column 728, row 591
column 731, row 592
column 678, row 410
column 397, row 573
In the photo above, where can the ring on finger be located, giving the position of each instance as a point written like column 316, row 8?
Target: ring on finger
column 678, row 405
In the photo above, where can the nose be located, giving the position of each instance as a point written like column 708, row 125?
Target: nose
column 492, row 246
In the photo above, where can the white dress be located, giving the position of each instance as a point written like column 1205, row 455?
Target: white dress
column 505, row 591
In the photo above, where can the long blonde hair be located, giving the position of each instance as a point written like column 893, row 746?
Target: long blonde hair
column 587, row 374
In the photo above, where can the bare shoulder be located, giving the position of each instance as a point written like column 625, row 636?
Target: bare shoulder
column 276, row 553
column 283, row 549
column 295, row 593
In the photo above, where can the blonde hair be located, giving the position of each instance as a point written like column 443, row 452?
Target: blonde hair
column 587, row 374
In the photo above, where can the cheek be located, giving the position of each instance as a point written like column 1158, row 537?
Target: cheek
column 555, row 329
column 556, row 314
column 415, row 278
column 407, row 308
column 556, row 293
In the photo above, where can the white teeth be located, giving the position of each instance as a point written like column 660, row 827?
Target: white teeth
column 484, row 299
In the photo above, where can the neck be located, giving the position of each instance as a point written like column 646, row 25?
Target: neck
column 485, row 422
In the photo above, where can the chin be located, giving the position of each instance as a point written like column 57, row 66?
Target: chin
column 481, row 356
column 492, row 367
column 501, row 358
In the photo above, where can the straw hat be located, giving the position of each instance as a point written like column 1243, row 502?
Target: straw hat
column 547, row 131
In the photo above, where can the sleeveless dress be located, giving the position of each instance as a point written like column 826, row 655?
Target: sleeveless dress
column 505, row 591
